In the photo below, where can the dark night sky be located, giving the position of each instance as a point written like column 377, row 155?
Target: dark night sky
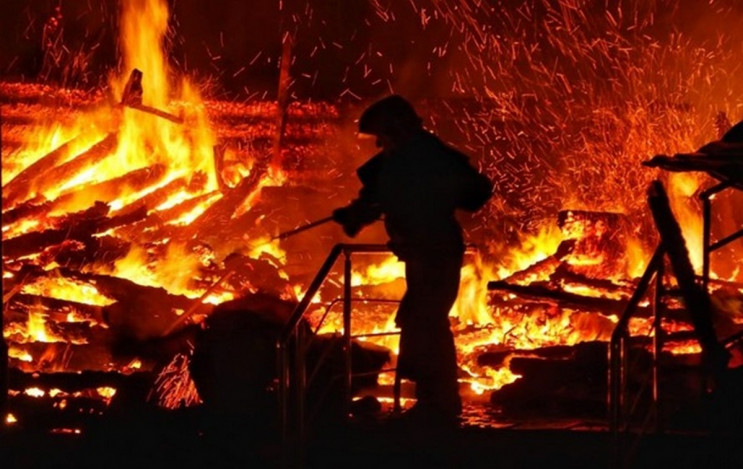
column 364, row 47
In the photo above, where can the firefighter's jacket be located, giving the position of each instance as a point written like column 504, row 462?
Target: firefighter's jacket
column 417, row 188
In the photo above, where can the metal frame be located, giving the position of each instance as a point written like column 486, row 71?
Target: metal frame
column 619, row 411
column 706, row 197
column 618, row 400
column 292, row 343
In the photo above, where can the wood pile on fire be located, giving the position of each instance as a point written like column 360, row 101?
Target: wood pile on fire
column 74, row 322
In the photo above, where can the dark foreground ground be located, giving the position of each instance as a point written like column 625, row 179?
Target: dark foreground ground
column 185, row 439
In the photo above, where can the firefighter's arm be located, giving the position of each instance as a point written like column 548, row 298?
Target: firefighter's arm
column 356, row 215
column 365, row 209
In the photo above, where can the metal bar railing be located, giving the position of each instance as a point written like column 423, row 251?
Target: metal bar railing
column 290, row 331
column 292, row 338
column 618, row 354
column 347, row 382
column 658, row 339
column 707, row 246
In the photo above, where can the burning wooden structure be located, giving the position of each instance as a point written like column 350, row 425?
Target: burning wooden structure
column 132, row 212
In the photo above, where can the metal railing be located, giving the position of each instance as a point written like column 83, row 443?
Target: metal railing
column 622, row 406
column 708, row 246
column 293, row 343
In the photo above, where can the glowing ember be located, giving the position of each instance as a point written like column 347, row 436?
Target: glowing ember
column 34, row 392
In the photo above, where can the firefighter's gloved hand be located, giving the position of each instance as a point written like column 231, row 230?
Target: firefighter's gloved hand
column 344, row 216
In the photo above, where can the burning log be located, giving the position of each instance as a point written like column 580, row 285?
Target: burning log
column 220, row 212
column 71, row 332
column 58, row 412
column 46, row 178
column 56, row 356
column 59, row 309
column 100, row 250
column 29, row 208
column 154, row 198
column 541, row 291
column 79, row 226
column 163, row 217
column 68, row 382
column 19, row 187
column 139, row 313
column 564, row 274
column 111, row 189
column 80, row 223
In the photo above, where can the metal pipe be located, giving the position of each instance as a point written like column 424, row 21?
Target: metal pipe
column 283, row 378
column 707, row 220
column 724, row 241
column 616, row 344
column 302, row 228
column 298, row 312
column 706, row 197
column 301, row 391
column 657, row 342
column 347, row 329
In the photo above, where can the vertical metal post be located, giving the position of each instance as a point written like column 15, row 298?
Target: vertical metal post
column 283, row 381
column 616, row 383
column 300, row 376
column 396, row 390
column 658, row 338
column 347, row 329
column 707, row 217
column 616, row 399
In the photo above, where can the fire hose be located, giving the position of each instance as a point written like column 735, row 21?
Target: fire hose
column 231, row 271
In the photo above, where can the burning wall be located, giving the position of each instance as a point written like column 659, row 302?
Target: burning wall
column 116, row 220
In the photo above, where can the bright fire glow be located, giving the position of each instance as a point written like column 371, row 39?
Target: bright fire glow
column 566, row 138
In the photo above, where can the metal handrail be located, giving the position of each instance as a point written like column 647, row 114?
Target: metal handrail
column 617, row 388
column 708, row 247
column 292, row 332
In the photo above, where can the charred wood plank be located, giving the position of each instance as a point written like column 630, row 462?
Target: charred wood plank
column 140, row 312
column 18, row 188
column 154, row 198
column 59, row 308
column 60, row 174
column 48, row 414
column 111, row 189
column 49, row 177
column 541, row 291
column 220, row 212
column 564, row 274
column 561, row 380
column 79, row 226
column 68, row 382
column 25, row 210
column 100, row 250
column 69, row 332
column 55, row 356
